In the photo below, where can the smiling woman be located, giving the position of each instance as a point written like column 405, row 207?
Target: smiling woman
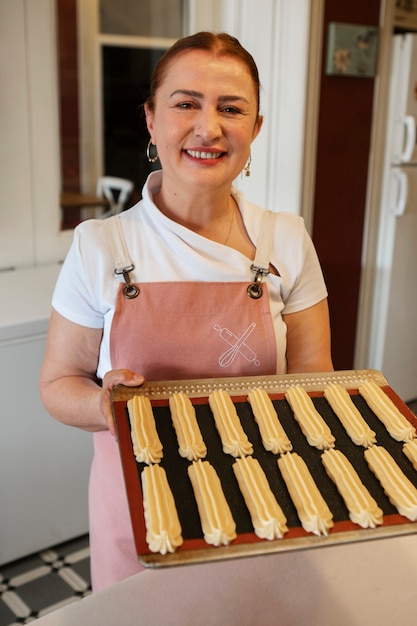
column 201, row 258
column 203, row 135
column 30, row 233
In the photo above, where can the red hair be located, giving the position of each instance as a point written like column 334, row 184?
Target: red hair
column 220, row 44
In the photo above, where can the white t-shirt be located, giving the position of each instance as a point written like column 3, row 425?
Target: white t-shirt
column 164, row 251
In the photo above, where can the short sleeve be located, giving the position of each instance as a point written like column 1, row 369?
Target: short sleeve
column 81, row 290
column 302, row 282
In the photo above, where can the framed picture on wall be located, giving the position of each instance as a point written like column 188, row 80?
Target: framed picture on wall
column 351, row 50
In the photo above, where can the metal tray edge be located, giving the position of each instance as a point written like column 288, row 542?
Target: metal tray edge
column 313, row 381
column 190, row 557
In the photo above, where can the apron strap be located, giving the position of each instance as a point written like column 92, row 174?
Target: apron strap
column 264, row 244
column 262, row 258
column 117, row 243
column 122, row 262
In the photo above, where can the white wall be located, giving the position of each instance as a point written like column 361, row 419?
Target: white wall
column 29, row 146
column 44, row 466
column 16, row 222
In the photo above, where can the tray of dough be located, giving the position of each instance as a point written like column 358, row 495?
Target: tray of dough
column 230, row 510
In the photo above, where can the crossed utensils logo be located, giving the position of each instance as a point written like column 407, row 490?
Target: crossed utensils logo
column 237, row 345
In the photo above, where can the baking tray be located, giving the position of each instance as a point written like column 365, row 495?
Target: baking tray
column 194, row 549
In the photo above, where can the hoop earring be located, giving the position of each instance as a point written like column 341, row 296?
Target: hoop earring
column 246, row 169
column 151, row 159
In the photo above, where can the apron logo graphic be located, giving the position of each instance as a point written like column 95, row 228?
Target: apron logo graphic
column 237, row 346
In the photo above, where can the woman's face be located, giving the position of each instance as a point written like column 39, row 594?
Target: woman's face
column 204, row 120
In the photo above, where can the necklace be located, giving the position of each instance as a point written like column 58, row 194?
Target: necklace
column 230, row 226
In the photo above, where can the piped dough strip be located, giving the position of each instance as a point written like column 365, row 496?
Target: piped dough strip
column 190, row 440
column 410, row 451
column 163, row 529
column 313, row 426
column 268, row 519
column 217, row 523
column 362, row 507
column 352, row 421
column 394, row 421
column 315, row 516
column 399, row 489
column 234, row 438
column 273, row 436
column 147, row 446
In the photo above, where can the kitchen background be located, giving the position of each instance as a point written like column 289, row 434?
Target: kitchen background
column 322, row 154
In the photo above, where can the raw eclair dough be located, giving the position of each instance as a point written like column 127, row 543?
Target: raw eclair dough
column 268, row 519
column 190, row 440
column 314, row 514
column 218, row 525
column 354, row 424
column 362, row 507
column 273, row 435
column 234, row 438
column 163, row 529
column 147, row 446
column 315, row 429
column 394, row 421
column 410, row 451
column 399, row 489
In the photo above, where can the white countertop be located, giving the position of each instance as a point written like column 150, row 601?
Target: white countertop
column 358, row 584
column 26, row 300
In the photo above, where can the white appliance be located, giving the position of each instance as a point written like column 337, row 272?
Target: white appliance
column 393, row 332
column 44, row 465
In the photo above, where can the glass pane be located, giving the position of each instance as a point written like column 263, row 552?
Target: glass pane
column 126, row 74
column 142, row 18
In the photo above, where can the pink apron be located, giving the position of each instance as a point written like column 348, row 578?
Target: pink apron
column 167, row 331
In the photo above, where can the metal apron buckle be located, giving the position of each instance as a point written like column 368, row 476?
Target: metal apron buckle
column 130, row 290
column 254, row 290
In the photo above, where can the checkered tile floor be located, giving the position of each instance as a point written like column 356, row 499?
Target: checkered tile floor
column 44, row 582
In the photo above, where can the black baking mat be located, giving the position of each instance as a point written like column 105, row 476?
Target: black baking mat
column 176, row 469
column 176, row 466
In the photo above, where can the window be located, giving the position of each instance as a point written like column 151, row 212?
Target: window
column 146, row 18
column 126, row 73
column 111, row 48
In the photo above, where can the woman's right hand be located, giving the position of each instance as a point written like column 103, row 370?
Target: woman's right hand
column 110, row 380
column 69, row 387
